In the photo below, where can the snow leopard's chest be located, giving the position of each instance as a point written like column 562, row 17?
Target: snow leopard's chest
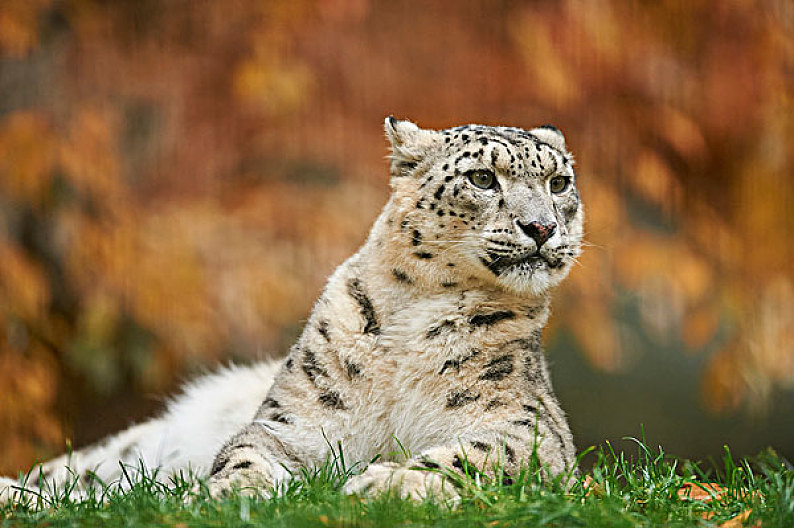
column 431, row 358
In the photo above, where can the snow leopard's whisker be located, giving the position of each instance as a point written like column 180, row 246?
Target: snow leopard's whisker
column 441, row 241
column 585, row 243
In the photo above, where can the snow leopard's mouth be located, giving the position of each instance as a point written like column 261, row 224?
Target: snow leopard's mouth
column 528, row 262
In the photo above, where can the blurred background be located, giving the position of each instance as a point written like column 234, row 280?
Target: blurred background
column 177, row 180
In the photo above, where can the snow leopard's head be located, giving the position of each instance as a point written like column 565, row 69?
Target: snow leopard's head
column 493, row 204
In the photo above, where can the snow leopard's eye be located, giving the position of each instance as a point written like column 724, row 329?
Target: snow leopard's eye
column 483, row 179
column 559, row 184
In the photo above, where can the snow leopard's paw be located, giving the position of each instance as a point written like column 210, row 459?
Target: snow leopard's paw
column 414, row 483
column 242, row 470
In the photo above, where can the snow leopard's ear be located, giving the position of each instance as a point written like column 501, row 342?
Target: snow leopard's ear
column 550, row 135
column 409, row 144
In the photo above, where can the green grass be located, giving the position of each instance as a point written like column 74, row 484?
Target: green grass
column 619, row 490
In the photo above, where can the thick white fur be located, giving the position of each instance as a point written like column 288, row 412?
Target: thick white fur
column 185, row 438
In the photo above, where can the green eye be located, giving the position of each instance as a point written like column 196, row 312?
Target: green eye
column 484, row 179
column 558, row 184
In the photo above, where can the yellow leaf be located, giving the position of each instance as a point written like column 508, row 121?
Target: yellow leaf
column 700, row 325
column 27, row 157
column 683, row 133
column 19, row 26
column 24, row 289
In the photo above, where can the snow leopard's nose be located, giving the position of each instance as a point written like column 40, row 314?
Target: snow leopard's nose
column 538, row 232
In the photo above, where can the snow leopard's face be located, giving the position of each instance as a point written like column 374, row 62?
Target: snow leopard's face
column 493, row 203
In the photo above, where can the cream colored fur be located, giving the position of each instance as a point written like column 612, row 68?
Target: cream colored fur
column 429, row 334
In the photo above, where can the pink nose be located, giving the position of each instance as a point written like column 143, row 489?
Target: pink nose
column 538, row 232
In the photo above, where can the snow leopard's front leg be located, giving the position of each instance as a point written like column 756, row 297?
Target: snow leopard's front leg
column 534, row 430
column 287, row 433
column 245, row 462
column 262, row 455
column 426, row 476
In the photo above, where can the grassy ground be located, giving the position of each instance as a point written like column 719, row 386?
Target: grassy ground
column 648, row 488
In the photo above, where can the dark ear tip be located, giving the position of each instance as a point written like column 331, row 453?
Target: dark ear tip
column 551, row 127
column 391, row 120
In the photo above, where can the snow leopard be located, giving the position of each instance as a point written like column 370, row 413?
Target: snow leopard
column 426, row 341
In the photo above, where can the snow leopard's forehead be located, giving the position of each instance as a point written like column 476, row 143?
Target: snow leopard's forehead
column 514, row 152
